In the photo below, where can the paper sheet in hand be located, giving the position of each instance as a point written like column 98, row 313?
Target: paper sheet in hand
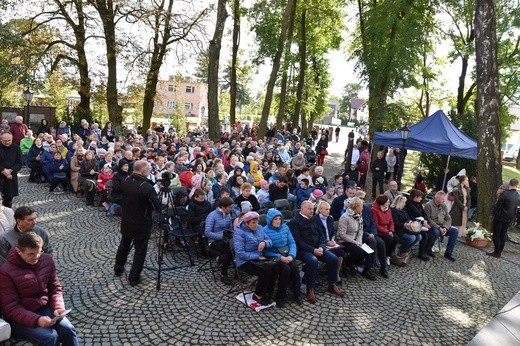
column 367, row 248
column 60, row 317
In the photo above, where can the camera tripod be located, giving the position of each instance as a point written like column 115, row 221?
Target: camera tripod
column 162, row 227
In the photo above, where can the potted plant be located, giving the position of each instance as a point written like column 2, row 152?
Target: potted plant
column 478, row 236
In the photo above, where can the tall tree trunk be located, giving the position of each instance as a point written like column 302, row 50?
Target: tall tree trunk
column 107, row 13
column 214, row 58
column 82, row 110
column 303, row 67
column 463, row 96
column 276, row 67
column 285, row 74
column 305, row 125
column 283, row 95
column 489, row 167
column 425, row 91
column 236, row 44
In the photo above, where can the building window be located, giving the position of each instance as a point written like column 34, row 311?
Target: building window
column 170, row 104
column 171, row 87
column 190, row 89
column 188, row 106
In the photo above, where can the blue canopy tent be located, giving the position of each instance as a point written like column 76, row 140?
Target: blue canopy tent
column 435, row 134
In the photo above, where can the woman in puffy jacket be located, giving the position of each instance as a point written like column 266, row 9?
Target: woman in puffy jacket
column 57, row 172
column 284, row 251
column 249, row 242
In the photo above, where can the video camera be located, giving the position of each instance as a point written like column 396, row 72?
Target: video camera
column 166, row 178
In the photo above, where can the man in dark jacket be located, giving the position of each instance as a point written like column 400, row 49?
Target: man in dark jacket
column 31, row 295
column 311, row 245
column 378, row 168
column 139, row 201
column 10, row 164
column 506, row 208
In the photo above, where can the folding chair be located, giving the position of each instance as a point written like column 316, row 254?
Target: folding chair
column 266, row 205
column 287, row 215
column 179, row 228
column 241, row 277
column 211, row 254
column 282, row 204
column 262, row 220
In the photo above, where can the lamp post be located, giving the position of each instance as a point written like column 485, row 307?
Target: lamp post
column 405, row 133
column 28, row 97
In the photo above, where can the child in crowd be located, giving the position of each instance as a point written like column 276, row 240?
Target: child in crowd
column 315, row 197
column 263, row 193
column 329, row 194
column 303, row 193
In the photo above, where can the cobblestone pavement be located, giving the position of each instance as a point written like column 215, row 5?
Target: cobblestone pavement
column 425, row 303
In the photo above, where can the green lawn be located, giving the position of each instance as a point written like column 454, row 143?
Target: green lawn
column 510, row 172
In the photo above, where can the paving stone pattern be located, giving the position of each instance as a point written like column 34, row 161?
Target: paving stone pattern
column 425, row 303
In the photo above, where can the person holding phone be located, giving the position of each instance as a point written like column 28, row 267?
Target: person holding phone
column 31, row 295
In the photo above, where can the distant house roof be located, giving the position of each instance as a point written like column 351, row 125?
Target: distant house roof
column 357, row 103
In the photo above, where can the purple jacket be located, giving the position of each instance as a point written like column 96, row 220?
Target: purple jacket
column 25, row 288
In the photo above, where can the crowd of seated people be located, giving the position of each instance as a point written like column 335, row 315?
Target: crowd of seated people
column 240, row 177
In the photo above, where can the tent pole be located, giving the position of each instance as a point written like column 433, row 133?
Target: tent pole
column 446, row 171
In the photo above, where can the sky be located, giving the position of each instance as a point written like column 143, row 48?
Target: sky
column 341, row 68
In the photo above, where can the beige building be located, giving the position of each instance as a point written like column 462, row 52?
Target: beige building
column 192, row 94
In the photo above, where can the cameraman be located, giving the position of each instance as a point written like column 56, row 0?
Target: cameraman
column 139, row 200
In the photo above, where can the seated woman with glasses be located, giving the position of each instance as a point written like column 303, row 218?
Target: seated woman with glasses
column 403, row 223
column 249, row 241
column 350, row 234
column 415, row 210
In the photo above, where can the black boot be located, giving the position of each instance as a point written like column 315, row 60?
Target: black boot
column 90, row 198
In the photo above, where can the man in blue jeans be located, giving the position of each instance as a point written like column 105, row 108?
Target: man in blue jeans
column 31, row 295
column 311, row 248
column 440, row 220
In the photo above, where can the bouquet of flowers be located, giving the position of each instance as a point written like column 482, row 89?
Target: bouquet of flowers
column 477, row 233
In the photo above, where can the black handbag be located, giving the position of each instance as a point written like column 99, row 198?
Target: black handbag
column 284, row 251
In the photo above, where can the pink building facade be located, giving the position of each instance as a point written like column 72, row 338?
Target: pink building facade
column 192, row 94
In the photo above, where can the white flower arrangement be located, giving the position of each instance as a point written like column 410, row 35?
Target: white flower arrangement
column 477, row 233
